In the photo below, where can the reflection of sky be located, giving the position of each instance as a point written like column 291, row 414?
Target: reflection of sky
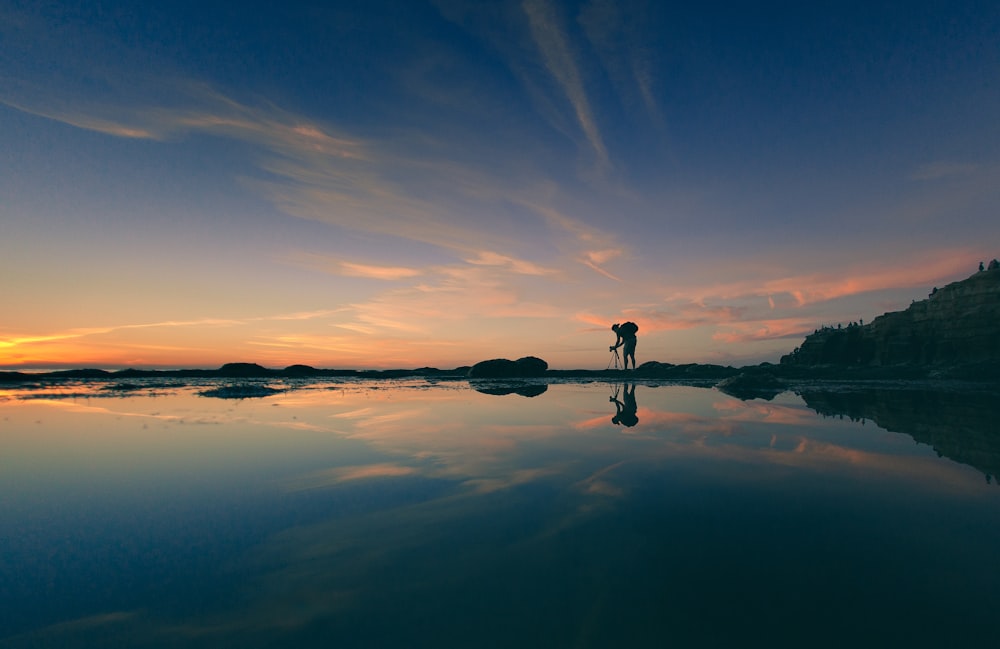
column 292, row 511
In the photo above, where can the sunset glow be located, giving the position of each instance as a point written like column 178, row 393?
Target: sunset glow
column 409, row 184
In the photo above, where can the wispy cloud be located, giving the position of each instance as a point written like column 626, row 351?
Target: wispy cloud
column 553, row 44
column 593, row 247
column 813, row 288
column 334, row 266
column 15, row 340
column 312, row 170
column 619, row 40
column 756, row 331
column 377, row 272
column 943, row 169
column 520, row 266
column 595, row 259
column 679, row 316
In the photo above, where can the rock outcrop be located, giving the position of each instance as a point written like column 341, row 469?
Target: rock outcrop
column 956, row 326
column 752, row 385
column 502, row 368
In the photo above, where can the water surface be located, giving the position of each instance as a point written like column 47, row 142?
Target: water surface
column 423, row 514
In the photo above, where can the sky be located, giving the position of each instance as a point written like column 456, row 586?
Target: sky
column 403, row 184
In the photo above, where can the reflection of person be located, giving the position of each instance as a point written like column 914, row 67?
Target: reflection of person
column 625, row 414
column 626, row 336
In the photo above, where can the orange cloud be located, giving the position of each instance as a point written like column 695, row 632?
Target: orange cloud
column 520, row 266
column 594, row 259
column 331, row 477
column 377, row 272
column 926, row 270
column 685, row 316
column 333, row 266
column 765, row 330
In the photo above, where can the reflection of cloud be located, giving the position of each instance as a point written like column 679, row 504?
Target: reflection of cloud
column 513, row 479
column 358, row 559
column 338, row 475
column 737, row 410
column 597, row 484
column 65, row 633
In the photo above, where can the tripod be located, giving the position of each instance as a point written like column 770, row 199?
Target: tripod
column 616, row 359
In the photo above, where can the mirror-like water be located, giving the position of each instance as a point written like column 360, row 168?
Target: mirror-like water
column 406, row 514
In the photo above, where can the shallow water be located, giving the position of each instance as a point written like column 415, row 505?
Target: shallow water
column 414, row 513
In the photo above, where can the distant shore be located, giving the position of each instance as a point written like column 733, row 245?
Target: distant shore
column 649, row 371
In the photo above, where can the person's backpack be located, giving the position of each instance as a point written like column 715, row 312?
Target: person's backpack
column 628, row 329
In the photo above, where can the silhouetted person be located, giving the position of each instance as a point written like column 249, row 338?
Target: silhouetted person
column 625, row 414
column 980, row 267
column 626, row 336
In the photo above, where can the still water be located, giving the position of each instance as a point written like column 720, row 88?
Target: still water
column 432, row 514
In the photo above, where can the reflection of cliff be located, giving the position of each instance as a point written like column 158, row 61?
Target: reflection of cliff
column 956, row 325
column 962, row 426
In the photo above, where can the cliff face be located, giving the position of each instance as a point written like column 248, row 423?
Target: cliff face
column 957, row 325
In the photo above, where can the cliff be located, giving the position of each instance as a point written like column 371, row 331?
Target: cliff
column 956, row 326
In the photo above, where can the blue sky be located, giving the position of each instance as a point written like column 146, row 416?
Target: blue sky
column 397, row 184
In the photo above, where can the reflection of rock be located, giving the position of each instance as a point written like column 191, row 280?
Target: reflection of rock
column 501, row 368
column 243, row 391
column 523, row 390
column 121, row 387
column 752, row 385
column 962, row 426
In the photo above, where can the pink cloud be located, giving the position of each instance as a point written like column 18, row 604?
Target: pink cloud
column 759, row 330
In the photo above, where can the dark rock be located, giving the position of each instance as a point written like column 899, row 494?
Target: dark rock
column 752, row 385
column 491, row 369
column 531, row 366
column 16, row 377
column 86, row 373
column 502, row 368
column 238, row 370
column 122, row 387
column 300, row 370
column 653, row 369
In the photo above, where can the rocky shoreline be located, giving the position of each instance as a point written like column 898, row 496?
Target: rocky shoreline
column 765, row 380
